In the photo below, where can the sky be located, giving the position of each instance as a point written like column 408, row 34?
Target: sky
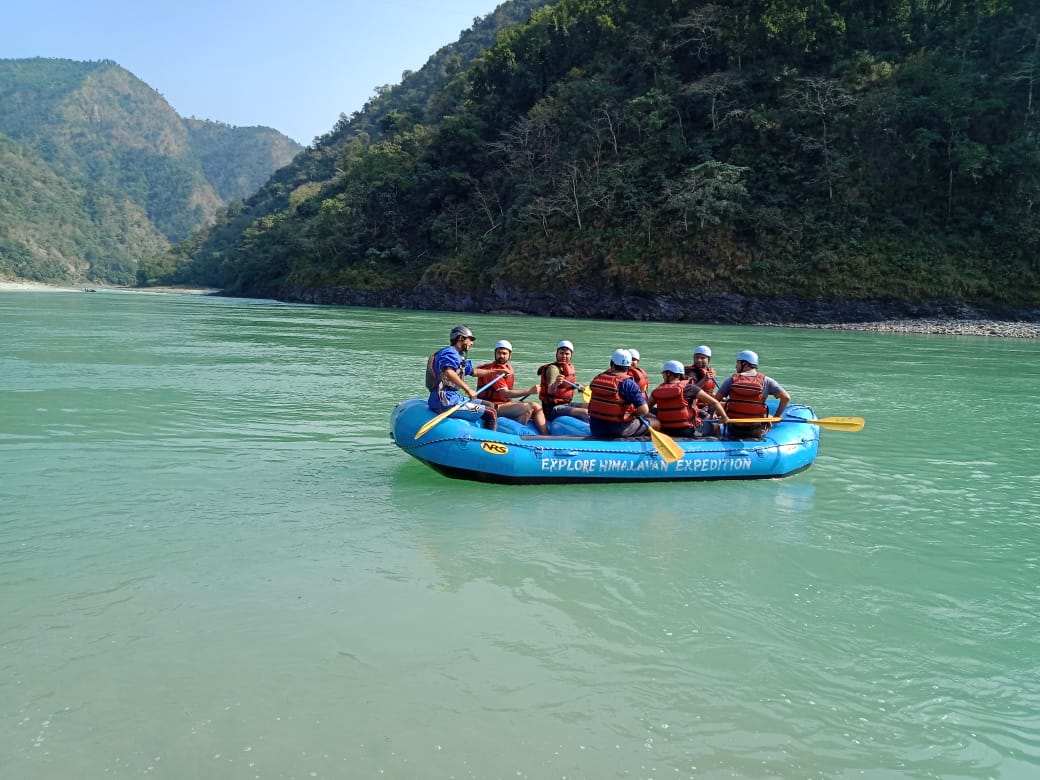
column 294, row 66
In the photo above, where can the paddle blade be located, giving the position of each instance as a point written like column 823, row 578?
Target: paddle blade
column 666, row 447
column 586, row 394
column 436, row 420
column 852, row 424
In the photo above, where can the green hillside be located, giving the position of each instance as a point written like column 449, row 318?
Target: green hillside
column 56, row 230
column 119, row 170
column 809, row 149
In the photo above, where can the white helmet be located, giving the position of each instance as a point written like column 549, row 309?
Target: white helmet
column 702, row 350
column 635, row 354
column 621, row 357
column 565, row 345
column 503, row 344
column 748, row 356
column 674, row 367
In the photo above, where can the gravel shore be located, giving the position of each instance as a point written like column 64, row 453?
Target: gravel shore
column 939, row 327
column 20, row 285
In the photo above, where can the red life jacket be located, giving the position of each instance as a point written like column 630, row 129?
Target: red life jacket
column 564, row 392
column 672, row 409
column 697, row 374
column 641, row 377
column 495, row 391
column 747, row 397
column 710, row 385
column 606, row 403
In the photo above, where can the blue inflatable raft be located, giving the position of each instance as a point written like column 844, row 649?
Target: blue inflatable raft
column 516, row 454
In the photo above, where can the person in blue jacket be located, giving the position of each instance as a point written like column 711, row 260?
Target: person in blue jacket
column 446, row 370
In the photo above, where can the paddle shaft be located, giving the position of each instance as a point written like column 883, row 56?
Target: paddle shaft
column 586, row 394
column 449, row 412
column 831, row 423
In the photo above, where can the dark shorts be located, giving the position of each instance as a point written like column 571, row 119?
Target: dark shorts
column 754, row 431
column 563, row 410
column 687, row 432
column 619, row 431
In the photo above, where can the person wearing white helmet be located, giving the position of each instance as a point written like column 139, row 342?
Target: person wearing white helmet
column 637, row 373
column 744, row 395
column 500, row 392
column 618, row 408
column 557, row 383
column 701, row 374
column 674, row 403
column 446, row 370
column 700, row 370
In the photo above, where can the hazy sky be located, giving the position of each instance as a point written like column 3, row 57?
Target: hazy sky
column 293, row 66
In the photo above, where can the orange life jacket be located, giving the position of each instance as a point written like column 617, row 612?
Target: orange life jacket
column 606, row 403
column 672, row 409
column 747, row 397
column 495, row 391
column 697, row 374
column 641, row 377
column 710, row 385
column 564, row 392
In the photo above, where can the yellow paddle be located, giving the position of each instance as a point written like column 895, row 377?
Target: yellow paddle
column 449, row 412
column 665, row 445
column 586, row 391
column 833, row 423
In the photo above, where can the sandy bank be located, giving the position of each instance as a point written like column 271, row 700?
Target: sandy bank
column 21, row 285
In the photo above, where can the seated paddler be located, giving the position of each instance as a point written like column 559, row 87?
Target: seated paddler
column 446, row 370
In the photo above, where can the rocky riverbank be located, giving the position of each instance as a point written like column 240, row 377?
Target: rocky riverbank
column 935, row 317
column 944, row 327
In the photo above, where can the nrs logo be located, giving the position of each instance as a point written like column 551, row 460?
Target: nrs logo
column 494, row 448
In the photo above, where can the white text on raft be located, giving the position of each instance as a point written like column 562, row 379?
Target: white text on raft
column 686, row 464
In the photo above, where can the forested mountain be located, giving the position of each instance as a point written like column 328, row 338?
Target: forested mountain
column 99, row 171
column 425, row 96
column 830, row 149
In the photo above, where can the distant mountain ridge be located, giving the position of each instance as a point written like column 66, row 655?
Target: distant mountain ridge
column 100, row 171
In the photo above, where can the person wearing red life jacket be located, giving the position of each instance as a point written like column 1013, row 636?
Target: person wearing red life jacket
column 500, row 392
column 556, row 385
column 702, row 375
column 674, row 403
column 618, row 408
column 745, row 394
column 637, row 373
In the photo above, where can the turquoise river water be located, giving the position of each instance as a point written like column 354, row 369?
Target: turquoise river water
column 215, row 564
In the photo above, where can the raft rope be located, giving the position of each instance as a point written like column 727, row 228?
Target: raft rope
column 759, row 450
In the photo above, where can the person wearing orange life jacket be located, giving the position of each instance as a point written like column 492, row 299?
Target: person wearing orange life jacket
column 500, row 392
column 556, row 385
column 637, row 373
column 701, row 374
column 745, row 394
column 618, row 408
column 674, row 401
